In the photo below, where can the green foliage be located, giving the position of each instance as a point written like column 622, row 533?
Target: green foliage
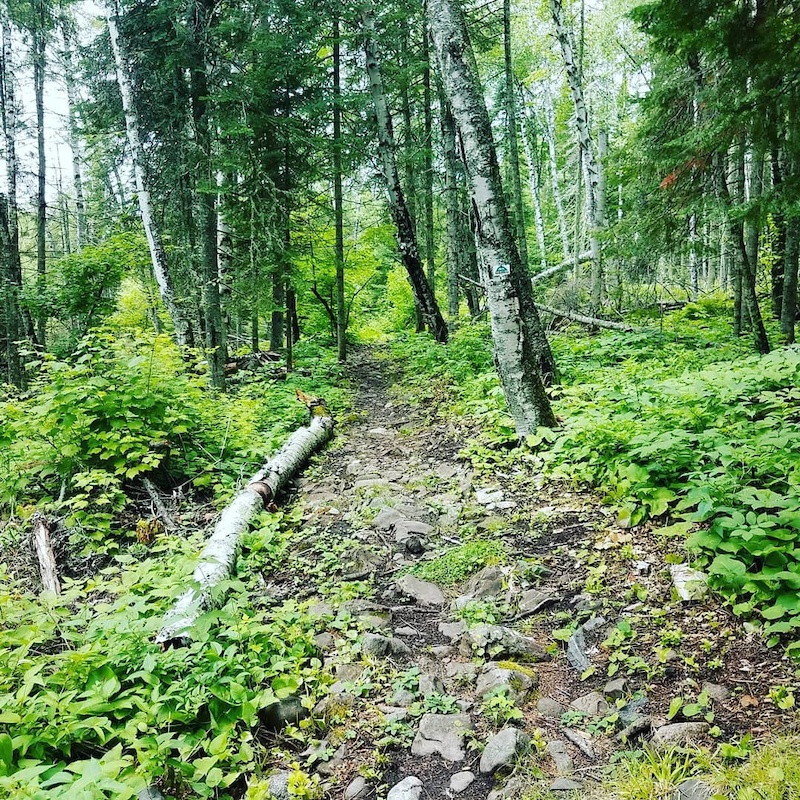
column 123, row 407
column 499, row 708
column 456, row 565
column 92, row 707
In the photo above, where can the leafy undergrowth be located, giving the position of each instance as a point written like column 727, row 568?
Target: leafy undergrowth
column 679, row 425
column 126, row 407
column 90, row 706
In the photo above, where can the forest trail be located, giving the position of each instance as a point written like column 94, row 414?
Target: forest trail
column 510, row 694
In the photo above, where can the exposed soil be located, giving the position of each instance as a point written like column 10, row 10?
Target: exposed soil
column 394, row 456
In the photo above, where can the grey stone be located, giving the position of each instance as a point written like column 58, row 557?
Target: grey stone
column 362, row 606
column 581, row 740
column 442, row 651
column 679, row 733
column 414, row 546
column 387, row 518
column 398, row 647
column 406, row 630
column 325, row 641
column 560, row 755
column 616, row 688
column 371, row 483
column 631, row 711
column 593, row 624
column 532, row 601
column 396, row 716
column 548, row 707
column 408, row 527
column 452, row 630
column 278, row 785
column 373, row 644
column 516, row 683
column 374, row 621
column 486, row 583
column 716, row 692
column 445, row 471
column 593, row 704
column 502, row 750
column 403, row 697
column 357, row 789
column 565, row 785
column 488, row 496
column 288, row 711
column 349, row 672
column 150, row 793
column 692, row 789
column 512, row 789
column 429, row 685
column 461, row 671
column 408, row 789
column 460, row 781
column 641, row 724
column 499, row 642
column 690, row 584
column 320, row 610
column 423, row 592
column 442, row 734
column 576, row 651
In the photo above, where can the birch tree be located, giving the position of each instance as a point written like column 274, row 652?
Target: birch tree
column 522, row 352
column 406, row 237
column 591, row 164
column 155, row 243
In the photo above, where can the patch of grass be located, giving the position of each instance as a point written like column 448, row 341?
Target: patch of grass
column 458, row 564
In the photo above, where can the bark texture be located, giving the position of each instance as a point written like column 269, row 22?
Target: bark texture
column 522, row 352
column 219, row 555
column 48, row 568
column 406, row 237
column 338, row 201
column 154, row 241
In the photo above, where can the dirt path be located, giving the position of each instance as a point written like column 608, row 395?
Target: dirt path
column 497, row 685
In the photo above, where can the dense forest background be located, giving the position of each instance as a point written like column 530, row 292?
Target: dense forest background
column 571, row 227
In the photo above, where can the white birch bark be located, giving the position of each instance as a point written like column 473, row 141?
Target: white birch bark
column 154, row 241
column 44, row 553
column 550, row 136
column 73, row 140
column 521, row 350
column 592, row 166
column 218, row 557
column 534, row 181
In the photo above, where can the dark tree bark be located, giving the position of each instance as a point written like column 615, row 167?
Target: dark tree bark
column 38, row 39
column 338, row 203
column 789, row 299
column 406, row 238
column 206, row 198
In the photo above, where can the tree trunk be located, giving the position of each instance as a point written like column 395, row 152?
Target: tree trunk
column 427, row 170
column 406, row 238
column 591, row 165
column 38, row 34
column 155, row 243
column 789, row 299
column 511, row 137
column 529, row 139
column 749, row 302
column 338, row 202
column 451, row 203
column 73, row 138
column 779, row 254
column 216, row 349
column 522, row 353
column 219, row 555
column 550, row 135
column 48, row 568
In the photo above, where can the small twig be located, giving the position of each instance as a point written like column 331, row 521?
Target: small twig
column 158, row 504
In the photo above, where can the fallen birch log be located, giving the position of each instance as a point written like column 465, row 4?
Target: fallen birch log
column 44, row 552
column 584, row 320
column 546, row 273
column 218, row 557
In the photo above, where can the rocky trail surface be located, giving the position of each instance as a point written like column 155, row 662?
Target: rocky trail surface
column 488, row 634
